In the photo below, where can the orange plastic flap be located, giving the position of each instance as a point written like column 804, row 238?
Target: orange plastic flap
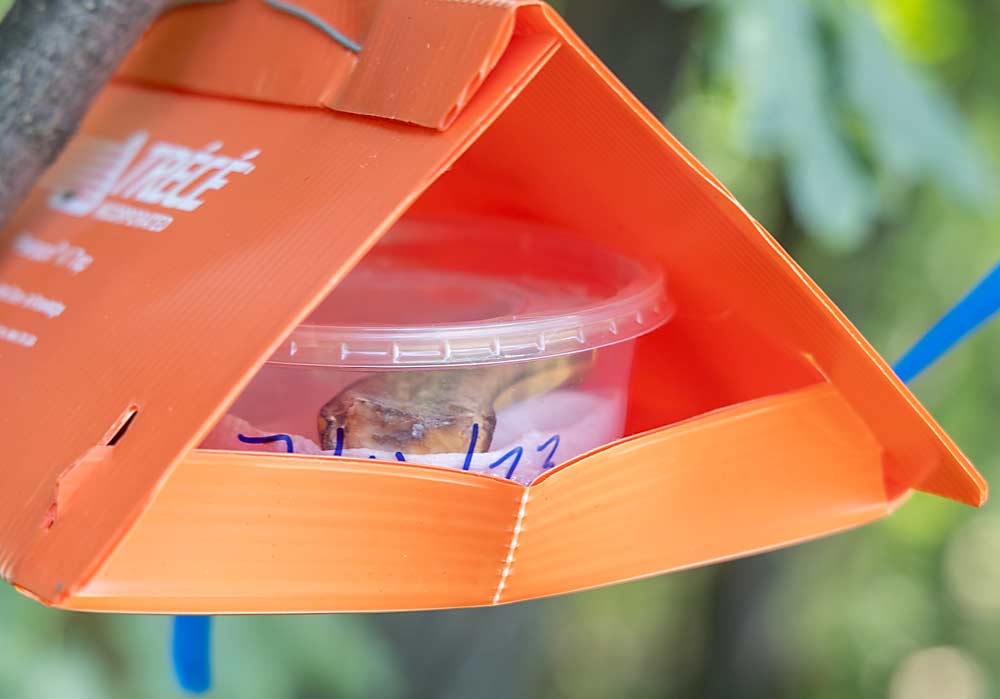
column 418, row 62
column 739, row 480
column 343, row 534
column 177, row 288
column 238, row 532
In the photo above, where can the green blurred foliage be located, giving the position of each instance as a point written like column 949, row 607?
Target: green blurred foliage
column 816, row 88
column 865, row 136
column 908, row 141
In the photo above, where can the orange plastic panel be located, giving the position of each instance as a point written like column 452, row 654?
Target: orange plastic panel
column 733, row 482
column 176, row 321
column 420, row 62
column 238, row 532
column 232, row 532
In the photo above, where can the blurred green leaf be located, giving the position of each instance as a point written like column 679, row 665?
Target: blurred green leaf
column 914, row 131
column 777, row 65
column 62, row 674
column 928, row 30
column 820, row 90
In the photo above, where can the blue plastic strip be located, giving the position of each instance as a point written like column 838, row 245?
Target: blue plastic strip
column 192, row 653
column 966, row 316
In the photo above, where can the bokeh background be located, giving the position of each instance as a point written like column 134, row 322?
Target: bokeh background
column 866, row 137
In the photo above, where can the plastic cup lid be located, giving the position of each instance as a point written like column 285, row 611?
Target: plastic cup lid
column 478, row 291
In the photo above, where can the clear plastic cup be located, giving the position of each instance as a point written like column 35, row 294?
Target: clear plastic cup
column 494, row 346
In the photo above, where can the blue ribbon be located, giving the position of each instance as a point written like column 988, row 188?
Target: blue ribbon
column 974, row 309
column 192, row 653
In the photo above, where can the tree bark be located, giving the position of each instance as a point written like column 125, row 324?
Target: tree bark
column 55, row 55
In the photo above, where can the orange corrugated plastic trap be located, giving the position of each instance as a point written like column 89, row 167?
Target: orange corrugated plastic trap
column 214, row 199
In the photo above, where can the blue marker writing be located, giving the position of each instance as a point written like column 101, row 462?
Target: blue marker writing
column 268, row 439
column 472, row 447
column 554, row 441
column 516, row 452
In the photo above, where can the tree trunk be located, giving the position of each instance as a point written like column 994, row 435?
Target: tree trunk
column 55, row 55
